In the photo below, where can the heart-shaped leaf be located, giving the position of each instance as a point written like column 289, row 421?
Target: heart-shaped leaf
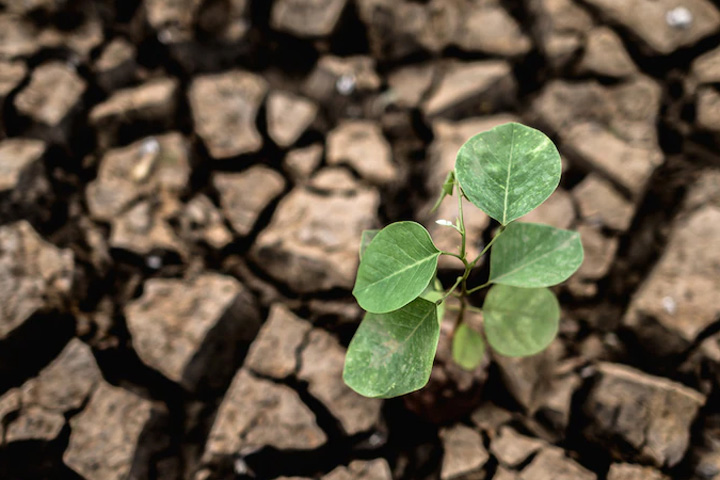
column 468, row 347
column 508, row 171
column 392, row 354
column 520, row 321
column 535, row 255
column 396, row 267
column 365, row 239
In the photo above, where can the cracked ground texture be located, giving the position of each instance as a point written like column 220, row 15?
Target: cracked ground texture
column 183, row 187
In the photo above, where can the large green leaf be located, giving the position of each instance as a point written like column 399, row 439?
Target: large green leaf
column 396, row 267
column 535, row 255
column 392, row 354
column 508, row 171
column 365, row 239
column 468, row 347
column 520, row 321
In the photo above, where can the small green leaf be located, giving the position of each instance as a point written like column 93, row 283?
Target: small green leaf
column 447, row 189
column 468, row 347
column 396, row 267
column 365, row 239
column 520, row 321
column 392, row 354
column 535, row 255
column 508, row 171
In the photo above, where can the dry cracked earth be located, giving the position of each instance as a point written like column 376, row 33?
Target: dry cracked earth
column 183, row 184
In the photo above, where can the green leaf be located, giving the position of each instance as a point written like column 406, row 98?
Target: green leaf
column 508, row 171
column 433, row 293
column 535, row 255
column 392, row 354
column 520, row 321
column 396, row 267
column 447, row 189
column 468, row 347
column 365, row 239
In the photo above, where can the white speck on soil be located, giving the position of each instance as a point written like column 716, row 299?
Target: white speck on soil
column 669, row 305
column 679, row 17
column 345, row 85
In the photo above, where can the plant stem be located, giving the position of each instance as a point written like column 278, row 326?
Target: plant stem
column 461, row 222
column 449, row 292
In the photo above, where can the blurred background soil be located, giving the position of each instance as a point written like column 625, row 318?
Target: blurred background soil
column 183, row 185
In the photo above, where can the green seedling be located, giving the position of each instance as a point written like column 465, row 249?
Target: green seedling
column 506, row 172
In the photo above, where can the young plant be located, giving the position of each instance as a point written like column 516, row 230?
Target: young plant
column 506, row 172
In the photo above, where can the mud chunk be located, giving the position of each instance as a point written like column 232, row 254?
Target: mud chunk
column 511, row 448
column 288, row 116
column 202, row 221
column 116, row 65
column 341, row 76
column 110, row 438
column 608, row 129
column 601, row 204
column 35, row 276
column 172, row 19
column 530, row 379
column 361, row 144
column 560, row 27
column 362, row 470
column 626, row 471
column 605, row 55
column 17, row 37
column 312, row 241
column 244, row 196
column 22, row 175
column 334, row 180
column 552, row 463
column 155, row 167
column 651, row 21
column 652, row 414
column 54, row 91
column 64, row 385
column 504, row 474
column 465, row 84
column 557, row 210
column 307, row 18
column 152, row 103
column 397, row 29
column 224, row 108
column 146, row 227
column 706, row 68
column 80, row 38
column 190, row 329
column 464, row 452
column 410, row 83
column 322, row 362
column 228, row 22
column 629, row 165
column 599, row 253
column 258, row 413
column 302, row 162
column 708, row 109
column 41, row 403
column 676, row 302
column 274, row 352
column 490, row 29
column 489, row 418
